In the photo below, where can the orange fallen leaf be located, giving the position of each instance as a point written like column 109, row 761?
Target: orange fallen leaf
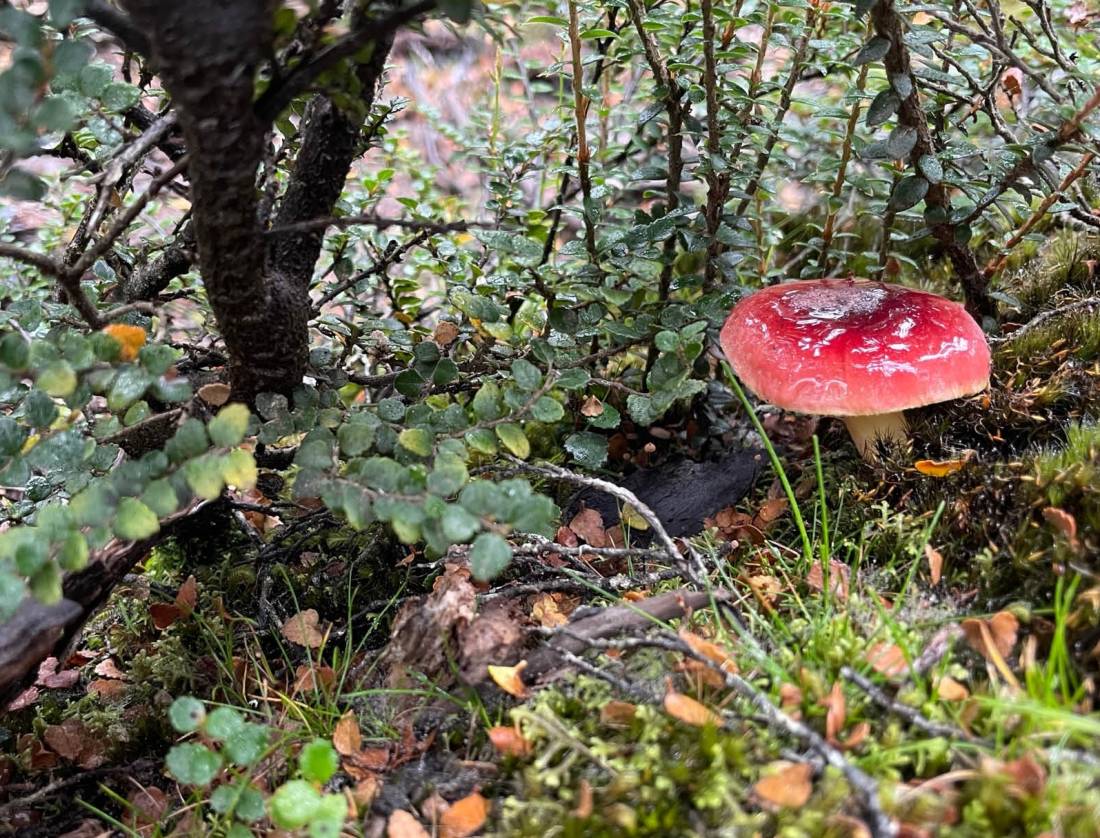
column 465, row 817
column 836, row 713
column 302, row 630
column 107, row 689
column 547, row 611
column 939, row 468
column 403, row 825
column 838, row 579
column 346, row 737
column 313, row 678
column 789, row 787
column 108, row 669
column 617, row 713
column 445, row 333
column 790, row 699
column 853, row 740
column 1065, row 523
column 129, row 338
column 689, row 711
column 585, row 803
column 164, row 614
column 1002, row 629
column 949, row 689
column 510, row 678
column 709, row 650
column 592, row 407
column 588, row 524
column 364, row 792
column 509, row 741
column 887, row 659
column 935, row 563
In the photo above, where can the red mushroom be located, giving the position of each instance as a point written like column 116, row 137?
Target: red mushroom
column 860, row 350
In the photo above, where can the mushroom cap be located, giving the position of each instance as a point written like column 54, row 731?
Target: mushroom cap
column 853, row 347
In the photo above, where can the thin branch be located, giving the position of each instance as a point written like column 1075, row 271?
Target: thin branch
column 392, row 256
column 380, row 221
column 69, row 281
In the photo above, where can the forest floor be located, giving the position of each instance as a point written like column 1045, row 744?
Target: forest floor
column 915, row 642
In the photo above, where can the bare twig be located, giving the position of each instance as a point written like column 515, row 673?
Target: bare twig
column 1041, row 318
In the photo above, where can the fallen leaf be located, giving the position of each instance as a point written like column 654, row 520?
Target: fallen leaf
column 445, row 333
column 164, row 614
column 1002, row 629
column 887, row 659
column 838, row 579
column 107, row 689
column 588, row 524
column 509, row 678
column 149, row 806
column 509, row 741
column 617, row 713
column 49, row 677
column 67, row 738
column 25, row 699
column 346, row 737
column 789, row 787
column 1065, row 523
column 215, row 394
column 302, row 630
column 709, row 650
column 592, row 407
column 547, row 611
column 935, row 563
column 364, row 792
column 129, row 338
column 403, row 825
column 949, row 689
column 939, row 468
column 187, row 596
column 107, row 669
column 1027, row 774
column 566, row 537
column 836, row 712
column 859, row 733
column 585, row 803
column 689, row 711
column 36, row 755
column 313, row 678
column 465, row 817
column 790, row 699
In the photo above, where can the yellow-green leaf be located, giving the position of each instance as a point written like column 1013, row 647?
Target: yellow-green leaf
column 514, row 439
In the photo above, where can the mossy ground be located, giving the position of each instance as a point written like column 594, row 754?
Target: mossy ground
column 1013, row 529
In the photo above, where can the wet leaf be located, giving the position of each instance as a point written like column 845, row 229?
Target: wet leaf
column 302, row 629
column 789, row 787
column 509, row 678
column 187, row 596
column 509, row 741
column 689, row 711
column 465, row 817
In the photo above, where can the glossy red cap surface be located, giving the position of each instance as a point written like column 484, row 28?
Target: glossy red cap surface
column 853, row 347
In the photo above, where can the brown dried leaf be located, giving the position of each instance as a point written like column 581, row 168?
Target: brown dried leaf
column 313, row 678
column 838, row 579
column 790, row 699
column 465, row 817
column 403, row 825
column 856, row 737
column 164, row 614
column 566, row 537
column 1065, row 523
column 949, row 689
column 887, row 659
column 346, row 737
column 836, row 712
column 25, row 699
column 789, row 787
column 1027, row 774
column 1002, row 628
column 617, row 713
column 108, row 669
column 591, row 407
column 302, row 629
column 689, row 711
column 445, row 333
column 509, row 741
column 49, row 677
column 364, row 793
column 709, row 650
column 149, row 805
column 935, row 563
column 510, row 678
column 215, row 394
column 187, row 596
column 547, row 611
column 107, row 689
column 588, row 524
column 585, row 802
column 68, row 739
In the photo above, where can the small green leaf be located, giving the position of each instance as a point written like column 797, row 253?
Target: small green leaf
column 15, row 351
column 514, row 439
column 186, row 714
column 931, row 168
column 58, row 379
column 74, row 552
column 294, row 804
column 901, row 141
column 526, row 374
column 222, row 723
column 247, row 745
column 193, row 764
column 416, row 440
column 134, row 520
column 874, row 50
column 229, row 426
column 909, row 192
column 883, row 106
column 239, row 469
column 318, row 761
column 489, row 555
column 547, row 409
column 204, row 476
column 587, row 448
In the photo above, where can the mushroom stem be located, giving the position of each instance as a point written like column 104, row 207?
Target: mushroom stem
column 868, row 430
